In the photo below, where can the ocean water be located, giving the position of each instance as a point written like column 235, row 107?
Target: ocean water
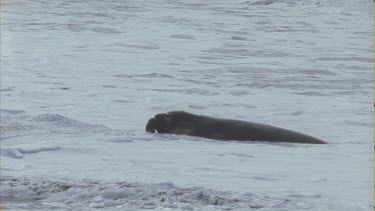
column 80, row 79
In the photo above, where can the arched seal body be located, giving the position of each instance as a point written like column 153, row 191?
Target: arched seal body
column 184, row 123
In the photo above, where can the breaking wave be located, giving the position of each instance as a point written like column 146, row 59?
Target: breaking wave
column 87, row 194
column 19, row 124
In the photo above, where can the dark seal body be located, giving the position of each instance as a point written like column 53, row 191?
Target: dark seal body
column 184, row 123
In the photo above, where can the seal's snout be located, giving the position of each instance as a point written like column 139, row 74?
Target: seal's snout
column 151, row 125
column 158, row 124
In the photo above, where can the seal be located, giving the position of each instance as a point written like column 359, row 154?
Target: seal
column 184, row 123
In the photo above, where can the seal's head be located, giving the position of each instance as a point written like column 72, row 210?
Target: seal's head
column 159, row 124
column 178, row 122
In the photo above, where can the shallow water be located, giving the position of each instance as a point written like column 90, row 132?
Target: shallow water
column 81, row 79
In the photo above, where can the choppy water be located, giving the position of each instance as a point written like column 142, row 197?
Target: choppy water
column 81, row 78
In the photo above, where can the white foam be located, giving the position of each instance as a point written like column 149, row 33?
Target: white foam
column 123, row 195
column 38, row 149
column 18, row 153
